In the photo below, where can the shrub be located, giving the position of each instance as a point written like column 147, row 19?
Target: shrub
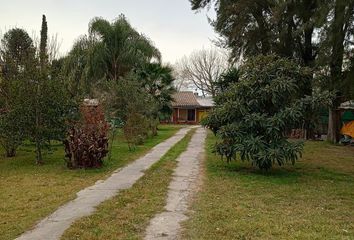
column 135, row 129
column 87, row 142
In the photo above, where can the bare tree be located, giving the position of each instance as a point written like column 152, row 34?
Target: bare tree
column 180, row 82
column 202, row 69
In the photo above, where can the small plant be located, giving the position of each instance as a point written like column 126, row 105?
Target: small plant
column 135, row 129
column 87, row 142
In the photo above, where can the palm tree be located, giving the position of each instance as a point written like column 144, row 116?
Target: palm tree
column 110, row 51
column 157, row 80
column 119, row 48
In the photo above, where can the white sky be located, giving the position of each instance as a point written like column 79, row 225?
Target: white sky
column 171, row 24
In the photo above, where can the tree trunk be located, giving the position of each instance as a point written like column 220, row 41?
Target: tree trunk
column 333, row 125
column 336, row 65
column 39, row 159
column 10, row 152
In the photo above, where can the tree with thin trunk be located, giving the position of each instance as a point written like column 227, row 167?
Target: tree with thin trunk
column 46, row 103
column 203, row 68
column 43, row 56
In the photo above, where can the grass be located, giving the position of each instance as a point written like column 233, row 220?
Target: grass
column 127, row 215
column 312, row 200
column 29, row 192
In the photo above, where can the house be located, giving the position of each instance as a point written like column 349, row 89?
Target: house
column 189, row 108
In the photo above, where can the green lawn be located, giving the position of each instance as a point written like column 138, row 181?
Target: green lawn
column 29, row 192
column 312, row 200
column 127, row 215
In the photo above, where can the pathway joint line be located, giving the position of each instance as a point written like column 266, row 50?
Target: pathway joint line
column 53, row 226
column 167, row 225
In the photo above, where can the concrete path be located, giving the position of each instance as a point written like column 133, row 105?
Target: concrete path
column 166, row 225
column 53, row 226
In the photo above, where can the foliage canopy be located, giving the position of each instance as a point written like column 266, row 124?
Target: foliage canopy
column 253, row 115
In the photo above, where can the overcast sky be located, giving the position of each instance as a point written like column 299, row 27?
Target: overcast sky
column 171, row 24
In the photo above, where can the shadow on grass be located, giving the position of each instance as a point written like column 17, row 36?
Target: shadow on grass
column 287, row 174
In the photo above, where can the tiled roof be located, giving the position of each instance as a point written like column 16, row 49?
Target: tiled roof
column 185, row 99
column 190, row 100
column 205, row 101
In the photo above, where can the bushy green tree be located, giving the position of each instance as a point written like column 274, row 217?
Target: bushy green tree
column 35, row 104
column 17, row 53
column 12, row 131
column 226, row 79
column 316, row 34
column 253, row 115
column 126, row 99
column 48, row 104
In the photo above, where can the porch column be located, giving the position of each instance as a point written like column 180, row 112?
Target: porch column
column 177, row 115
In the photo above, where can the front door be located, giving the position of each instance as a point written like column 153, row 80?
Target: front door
column 191, row 115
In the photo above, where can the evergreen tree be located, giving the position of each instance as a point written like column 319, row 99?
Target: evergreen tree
column 17, row 53
column 43, row 53
column 252, row 117
column 316, row 34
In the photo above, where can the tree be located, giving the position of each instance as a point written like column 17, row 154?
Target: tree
column 226, row 79
column 157, row 80
column 46, row 108
column 203, row 68
column 41, row 80
column 129, row 103
column 253, row 115
column 11, row 119
column 251, row 27
column 110, row 51
column 16, row 54
column 336, row 56
column 119, row 48
column 317, row 34
column 43, row 51
column 76, row 68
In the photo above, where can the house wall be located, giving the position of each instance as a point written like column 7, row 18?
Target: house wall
column 202, row 113
column 180, row 116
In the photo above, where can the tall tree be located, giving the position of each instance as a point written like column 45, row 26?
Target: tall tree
column 337, row 53
column 251, row 27
column 47, row 105
column 203, row 68
column 76, row 68
column 17, row 52
column 315, row 33
column 110, row 51
column 119, row 48
column 41, row 79
column 43, row 51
